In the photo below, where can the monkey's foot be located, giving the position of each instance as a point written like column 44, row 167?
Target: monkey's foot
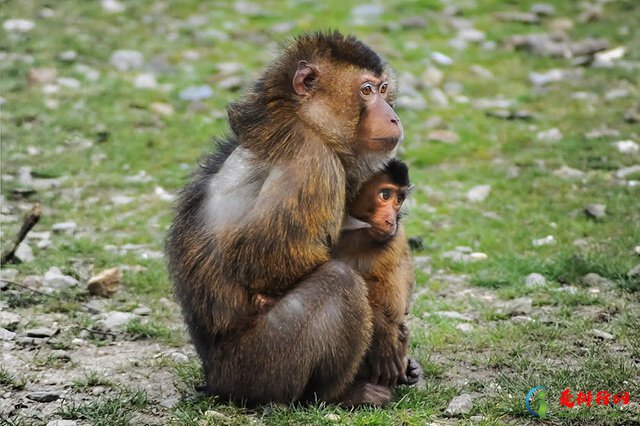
column 364, row 393
column 414, row 372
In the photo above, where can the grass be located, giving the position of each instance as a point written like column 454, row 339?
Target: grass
column 97, row 139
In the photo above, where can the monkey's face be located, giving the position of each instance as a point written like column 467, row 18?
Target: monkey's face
column 378, row 204
column 379, row 128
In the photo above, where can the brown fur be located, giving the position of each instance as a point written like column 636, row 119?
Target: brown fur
column 387, row 268
column 260, row 216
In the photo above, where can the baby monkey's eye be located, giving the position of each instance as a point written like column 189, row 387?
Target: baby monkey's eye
column 366, row 89
column 385, row 194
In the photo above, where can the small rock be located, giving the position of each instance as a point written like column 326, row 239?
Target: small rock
column 98, row 390
column 459, row 406
column 68, row 82
column 126, row 60
column 366, row 13
column 632, row 115
column 634, row 272
column 444, row 136
column 68, row 56
column 478, row 193
column 451, row 315
column 542, row 9
column 145, row 81
column 431, row 77
column 627, row 147
column 477, row 256
column 231, row 83
column 40, row 76
column 196, row 93
column 142, row 311
column 521, row 319
column 519, row 306
column 18, row 25
column 522, row 17
column 551, row 76
column 44, row 396
column 170, row 403
column 42, row 332
column 179, row 357
column 106, row 283
column 8, row 274
column 6, row 335
column 9, row 319
column 60, row 355
column 112, row 6
column 623, row 172
column 636, row 250
column 601, row 334
column 332, row 417
column 213, row 414
column 24, row 253
column 481, row 71
column 162, row 109
column 606, row 58
column 64, row 227
column 566, row 172
column 602, row 132
column 30, row 341
column 441, row 58
column 465, row 327
column 55, row 279
column 535, row 280
column 548, row 240
column 116, row 320
column 595, row 211
column 476, row 419
column 62, row 423
column 95, row 306
column 550, row 135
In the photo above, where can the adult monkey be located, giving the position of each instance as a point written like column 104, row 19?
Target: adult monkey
column 261, row 215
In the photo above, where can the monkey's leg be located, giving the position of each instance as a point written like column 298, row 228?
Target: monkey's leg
column 309, row 343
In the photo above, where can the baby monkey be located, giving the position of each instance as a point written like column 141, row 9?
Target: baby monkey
column 373, row 242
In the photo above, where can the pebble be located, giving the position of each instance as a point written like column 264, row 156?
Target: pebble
column 519, row 306
column 231, row 83
column 451, row 315
column 42, row 332
column 24, row 253
column 546, row 241
column 29, row 341
column 142, row 310
column 106, row 283
column 550, row 135
column 95, row 306
column 112, row 6
column 6, row 335
column 626, row 171
column 601, row 334
column 9, row 274
column 551, row 76
column 366, row 13
column 69, row 83
column 478, row 193
column 9, row 319
column 44, row 396
column 606, row 59
column 521, row 319
column 196, row 93
column 481, row 71
column 535, row 280
column 459, row 406
column 464, row 327
column 162, row 108
column 542, row 9
column 18, row 25
column 441, row 58
column 55, row 279
column 178, row 357
column 595, row 211
column 39, row 76
column 64, row 227
column 145, row 81
column 634, row 272
column 126, row 60
column 431, row 77
column 332, row 417
column 566, row 172
column 627, row 147
column 68, row 56
column 444, row 136
column 60, row 355
column 522, row 17
column 115, row 320
column 62, row 423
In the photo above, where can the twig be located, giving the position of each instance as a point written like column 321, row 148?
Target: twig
column 29, row 222
column 29, row 288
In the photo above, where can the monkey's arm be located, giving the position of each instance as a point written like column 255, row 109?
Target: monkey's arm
column 288, row 229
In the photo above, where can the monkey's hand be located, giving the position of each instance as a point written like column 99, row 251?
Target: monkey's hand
column 412, row 374
column 388, row 364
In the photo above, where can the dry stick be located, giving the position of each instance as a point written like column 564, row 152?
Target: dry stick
column 26, row 287
column 29, row 222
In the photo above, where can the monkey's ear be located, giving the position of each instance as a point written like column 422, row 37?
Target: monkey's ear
column 304, row 78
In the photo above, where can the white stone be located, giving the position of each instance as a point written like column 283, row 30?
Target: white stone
column 548, row 240
column 55, row 279
column 116, row 320
column 535, row 280
column 441, row 58
column 18, row 25
column 551, row 135
column 459, row 405
column 112, row 6
column 145, row 81
column 627, row 147
column 478, row 193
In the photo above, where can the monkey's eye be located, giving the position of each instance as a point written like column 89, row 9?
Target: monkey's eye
column 366, row 89
column 401, row 198
column 385, row 194
column 383, row 88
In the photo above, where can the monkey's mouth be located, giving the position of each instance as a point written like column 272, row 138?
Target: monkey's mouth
column 388, row 143
column 382, row 236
